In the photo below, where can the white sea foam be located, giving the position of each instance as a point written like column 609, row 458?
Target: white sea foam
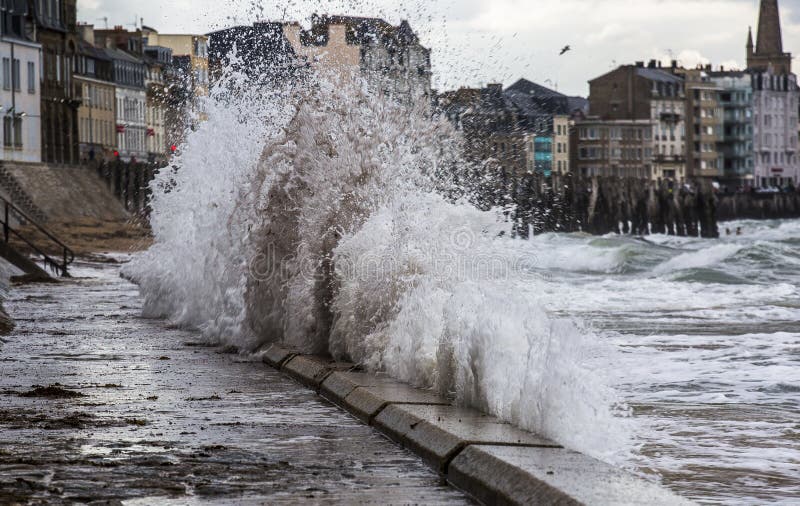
column 313, row 218
column 706, row 257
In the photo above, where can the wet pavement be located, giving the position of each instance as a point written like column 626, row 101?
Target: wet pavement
column 98, row 404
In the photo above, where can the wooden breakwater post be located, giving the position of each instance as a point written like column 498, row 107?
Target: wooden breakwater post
column 603, row 205
column 758, row 206
column 129, row 182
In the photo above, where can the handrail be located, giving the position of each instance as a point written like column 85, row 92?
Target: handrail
column 68, row 256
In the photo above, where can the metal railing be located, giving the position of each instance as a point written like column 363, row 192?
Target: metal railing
column 61, row 265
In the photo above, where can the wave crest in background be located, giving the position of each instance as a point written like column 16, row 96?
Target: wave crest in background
column 326, row 218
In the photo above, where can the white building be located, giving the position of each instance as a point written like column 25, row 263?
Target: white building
column 131, row 105
column 20, row 90
column 775, row 120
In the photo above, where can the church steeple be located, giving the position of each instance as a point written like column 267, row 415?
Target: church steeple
column 769, row 43
column 770, row 40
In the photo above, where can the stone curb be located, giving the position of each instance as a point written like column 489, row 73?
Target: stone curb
column 276, row 356
column 439, row 433
column 312, row 371
column 485, row 457
column 527, row 475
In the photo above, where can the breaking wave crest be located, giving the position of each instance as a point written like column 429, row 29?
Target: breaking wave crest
column 327, row 219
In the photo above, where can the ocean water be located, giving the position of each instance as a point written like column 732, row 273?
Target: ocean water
column 710, row 350
column 315, row 217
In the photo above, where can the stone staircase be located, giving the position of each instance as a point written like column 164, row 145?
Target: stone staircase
column 18, row 196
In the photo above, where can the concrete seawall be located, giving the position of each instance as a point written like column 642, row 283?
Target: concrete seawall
column 489, row 459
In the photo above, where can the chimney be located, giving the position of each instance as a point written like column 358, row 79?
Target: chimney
column 659, row 63
column 708, row 67
column 87, row 33
column 640, row 64
column 674, row 64
column 651, row 64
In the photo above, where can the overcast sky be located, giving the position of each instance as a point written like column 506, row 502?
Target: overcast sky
column 479, row 41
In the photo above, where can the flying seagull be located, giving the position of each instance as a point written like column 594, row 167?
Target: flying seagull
column 566, row 48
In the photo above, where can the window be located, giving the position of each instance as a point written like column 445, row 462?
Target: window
column 31, row 77
column 16, row 76
column 6, row 74
column 7, row 126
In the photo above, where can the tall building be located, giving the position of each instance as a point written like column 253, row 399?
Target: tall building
column 775, row 102
column 56, row 31
column 736, row 100
column 20, row 96
column 647, row 93
column 704, row 123
column 391, row 58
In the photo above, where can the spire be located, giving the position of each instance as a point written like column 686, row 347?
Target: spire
column 770, row 41
column 749, row 39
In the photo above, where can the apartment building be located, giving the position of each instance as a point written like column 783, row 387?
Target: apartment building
column 94, row 79
column 639, row 92
column 56, row 31
column 20, row 95
column 619, row 148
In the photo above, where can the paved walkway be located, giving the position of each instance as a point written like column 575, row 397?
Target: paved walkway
column 139, row 413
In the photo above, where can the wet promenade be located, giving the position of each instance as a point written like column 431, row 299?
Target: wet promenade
column 100, row 405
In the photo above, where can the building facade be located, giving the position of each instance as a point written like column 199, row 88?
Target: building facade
column 56, row 30
column 704, row 122
column 390, row 58
column 618, row 148
column 131, row 105
column 775, row 103
column 158, row 60
column 94, row 78
column 187, row 80
column 562, row 126
column 736, row 100
column 639, row 92
column 20, row 95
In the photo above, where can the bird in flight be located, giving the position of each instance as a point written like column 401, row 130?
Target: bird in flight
column 566, row 48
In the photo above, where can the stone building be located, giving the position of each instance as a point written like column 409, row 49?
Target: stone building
column 56, row 31
column 775, row 103
column 20, row 94
column 613, row 147
column 391, row 58
column 94, row 78
column 639, row 92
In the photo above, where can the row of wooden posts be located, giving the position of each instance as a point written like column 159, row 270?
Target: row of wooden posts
column 564, row 203
column 602, row 205
column 130, row 183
